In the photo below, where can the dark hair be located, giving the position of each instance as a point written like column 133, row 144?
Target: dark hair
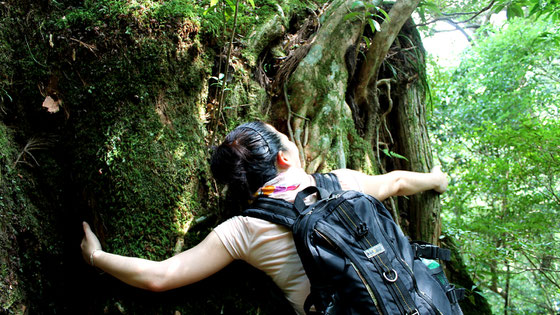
column 246, row 159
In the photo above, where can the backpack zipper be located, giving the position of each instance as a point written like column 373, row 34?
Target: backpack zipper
column 409, row 270
column 397, row 293
column 323, row 236
column 368, row 288
column 323, row 201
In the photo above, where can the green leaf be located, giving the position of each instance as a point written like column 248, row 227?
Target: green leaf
column 366, row 39
column 231, row 5
column 374, row 25
column 213, row 2
column 384, row 14
column 498, row 8
column 393, row 154
column 351, row 15
column 422, row 14
column 356, row 3
column 536, row 8
column 555, row 16
column 252, row 3
column 433, row 7
column 514, row 11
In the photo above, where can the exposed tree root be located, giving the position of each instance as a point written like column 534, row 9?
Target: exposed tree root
column 289, row 125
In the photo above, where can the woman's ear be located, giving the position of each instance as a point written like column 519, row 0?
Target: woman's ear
column 283, row 161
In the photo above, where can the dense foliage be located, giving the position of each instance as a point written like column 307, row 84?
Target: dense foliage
column 496, row 123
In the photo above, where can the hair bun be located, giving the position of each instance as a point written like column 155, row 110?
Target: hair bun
column 246, row 159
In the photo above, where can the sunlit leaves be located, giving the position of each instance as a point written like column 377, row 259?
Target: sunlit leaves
column 496, row 123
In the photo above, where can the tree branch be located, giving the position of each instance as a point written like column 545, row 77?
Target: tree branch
column 552, row 281
column 552, row 190
column 459, row 28
column 475, row 14
column 381, row 43
column 523, row 270
column 479, row 12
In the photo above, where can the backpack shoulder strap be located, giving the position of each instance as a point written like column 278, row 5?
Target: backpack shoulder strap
column 273, row 210
column 328, row 181
column 282, row 212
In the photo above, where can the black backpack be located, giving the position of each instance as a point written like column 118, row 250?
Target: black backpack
column 357, row 259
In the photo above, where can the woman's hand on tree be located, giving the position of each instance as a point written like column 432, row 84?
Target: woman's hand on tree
column 90, row 243
column 441, row 179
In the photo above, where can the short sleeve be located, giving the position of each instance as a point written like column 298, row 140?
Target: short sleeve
column 349, row 179
column 235, row 235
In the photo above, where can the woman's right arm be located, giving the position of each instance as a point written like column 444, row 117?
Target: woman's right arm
column 197, row 263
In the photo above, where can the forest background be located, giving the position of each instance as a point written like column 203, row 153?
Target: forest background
column 110, row 108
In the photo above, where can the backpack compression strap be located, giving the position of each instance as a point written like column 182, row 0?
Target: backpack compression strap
column 455, row 294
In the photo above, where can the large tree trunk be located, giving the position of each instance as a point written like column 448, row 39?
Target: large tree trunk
column 389, row 120
column 407, row 121
column 312, row 108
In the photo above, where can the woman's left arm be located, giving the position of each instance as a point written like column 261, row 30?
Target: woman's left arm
column 190, row 266
column 400, row 183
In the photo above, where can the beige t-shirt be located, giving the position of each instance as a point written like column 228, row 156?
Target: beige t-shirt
column 270, row 247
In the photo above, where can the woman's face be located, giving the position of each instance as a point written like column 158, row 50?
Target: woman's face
column 290, row 149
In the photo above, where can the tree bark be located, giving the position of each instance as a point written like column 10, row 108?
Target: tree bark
column 368, row 75
column 410, row 135
column 506, row 298
column 312, row 103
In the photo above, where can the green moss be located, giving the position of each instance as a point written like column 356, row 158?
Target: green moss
column 131, row 156
column 153, row 172
column 268, row 23
column 19, row 215
column 9, row 292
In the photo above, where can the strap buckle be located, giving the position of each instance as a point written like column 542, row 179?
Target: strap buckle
column 429, row 251
column 455, row 294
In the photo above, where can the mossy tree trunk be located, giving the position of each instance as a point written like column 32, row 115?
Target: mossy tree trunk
column 387, row 113
column 311, row 106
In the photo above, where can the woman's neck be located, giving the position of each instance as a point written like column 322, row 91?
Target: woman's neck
column 286, row 184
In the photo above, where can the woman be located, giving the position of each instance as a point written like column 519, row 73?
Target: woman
column 254, row 159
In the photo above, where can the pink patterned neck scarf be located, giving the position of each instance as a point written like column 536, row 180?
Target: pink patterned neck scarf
column 286, row 185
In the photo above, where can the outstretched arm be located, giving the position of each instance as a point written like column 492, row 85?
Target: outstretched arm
column 190, row 266
column 401, row 183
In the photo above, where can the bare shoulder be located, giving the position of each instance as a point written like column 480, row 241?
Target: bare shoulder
column 374, row 185
column 350, row 179
column 345, row 172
